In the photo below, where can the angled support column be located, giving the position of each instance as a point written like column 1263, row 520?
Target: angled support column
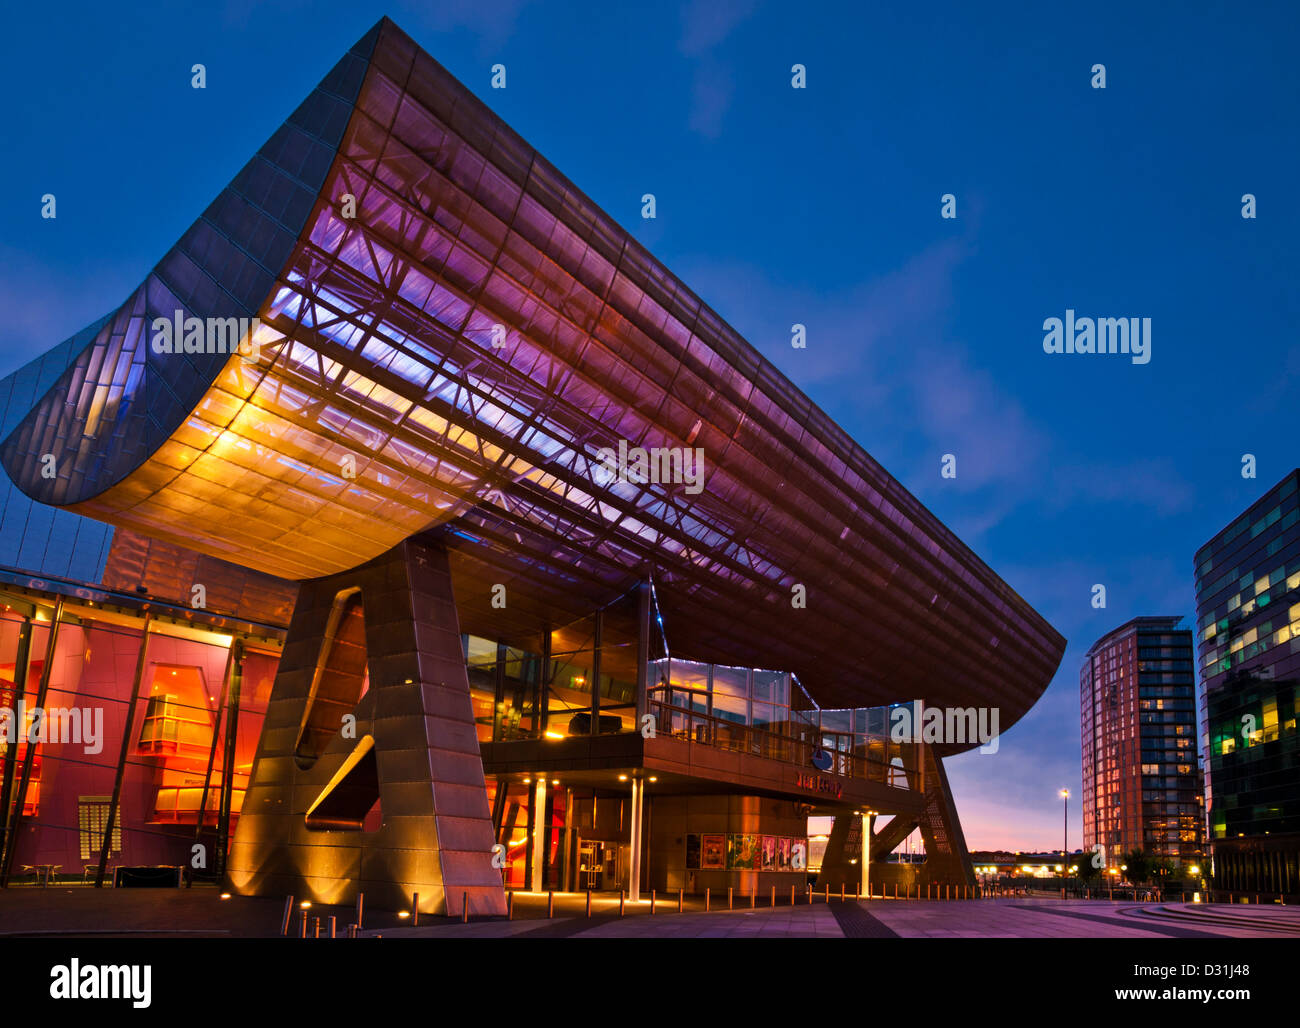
column 328, row 754
column 946, row 856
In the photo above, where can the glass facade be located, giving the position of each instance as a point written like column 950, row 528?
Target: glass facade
column 34, row 537
column 1141, row 770
column 168, row 705
column 1248, row 635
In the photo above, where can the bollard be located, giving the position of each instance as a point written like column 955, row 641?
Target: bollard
column 415, row 910
column 589, row 903
column 895, row 890
column 288, row 912
column 792, row 895
column 464, row 907
column 810, row 894
column 302, row 925
column 510, row 906
column 707, row 904
column 828, row 892
column 620, row 902
column 681, row 900
column 753, row 894
column 774, row 896
column 841, row 891
column 352, row 931
column 730, row 904
column 652, row 903
column 550, row 904
column 361, row 900
column 316, row 927
column 332, row 927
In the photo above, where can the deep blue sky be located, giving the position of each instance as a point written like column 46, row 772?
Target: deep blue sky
column 818, row 206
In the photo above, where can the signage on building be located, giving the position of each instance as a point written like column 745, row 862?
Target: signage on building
column 818, row 783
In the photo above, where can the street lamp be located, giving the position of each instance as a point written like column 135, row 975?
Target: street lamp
column 1065, row 836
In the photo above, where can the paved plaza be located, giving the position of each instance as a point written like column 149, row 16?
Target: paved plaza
column 200, row 912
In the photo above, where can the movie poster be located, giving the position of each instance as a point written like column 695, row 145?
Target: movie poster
column 742, row 852
column 783, row 849
column 769, row 853
column 713, row 854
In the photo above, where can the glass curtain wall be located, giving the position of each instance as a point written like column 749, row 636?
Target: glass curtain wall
column 158, row 705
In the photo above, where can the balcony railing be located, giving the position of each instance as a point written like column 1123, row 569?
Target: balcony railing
column 723, row 734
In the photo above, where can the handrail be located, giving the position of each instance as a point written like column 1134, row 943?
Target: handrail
column 721, row 733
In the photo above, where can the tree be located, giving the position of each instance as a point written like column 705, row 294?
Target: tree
column 1137, row 866
column 1090, row 865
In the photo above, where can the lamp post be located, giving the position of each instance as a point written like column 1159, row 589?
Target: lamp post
column 1065, row 837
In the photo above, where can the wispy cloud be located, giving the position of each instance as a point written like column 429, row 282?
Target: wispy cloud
column 493, row 21
column 706, row 23
column 705, row 26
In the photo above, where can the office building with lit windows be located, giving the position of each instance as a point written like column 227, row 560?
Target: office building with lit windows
column 1248, row 638
column 367, row 601
column 1141, row 773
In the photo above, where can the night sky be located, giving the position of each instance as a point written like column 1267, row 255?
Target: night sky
column 818, row 206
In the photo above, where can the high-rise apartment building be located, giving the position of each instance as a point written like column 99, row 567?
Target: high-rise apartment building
column 1248, row 635
column 1141, row 775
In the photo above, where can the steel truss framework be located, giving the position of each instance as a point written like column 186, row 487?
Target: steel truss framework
column 449, row 361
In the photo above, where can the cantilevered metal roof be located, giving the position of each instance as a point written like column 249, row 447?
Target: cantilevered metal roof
column 452, row 359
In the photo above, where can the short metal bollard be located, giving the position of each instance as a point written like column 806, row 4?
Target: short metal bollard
column 620, row 902
column 706, row 899
column 352, row 931
column 589, row 903
column 652, row 902
column 550, row 904
column 510, row 906
column 730, row 904
column 288, row 913
column 792, row 895
column 464, row 907
column 841, row 892
column 681, row 900
column 333, row 927
column 774, row 896
column 415, row 910
column 361, row 902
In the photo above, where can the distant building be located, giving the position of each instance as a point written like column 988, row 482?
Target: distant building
column 1141, row 772
column 1248, row 630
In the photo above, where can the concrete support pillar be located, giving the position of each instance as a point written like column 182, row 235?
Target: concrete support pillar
column 539, row 835
column 866, row 856
column 634, row 866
